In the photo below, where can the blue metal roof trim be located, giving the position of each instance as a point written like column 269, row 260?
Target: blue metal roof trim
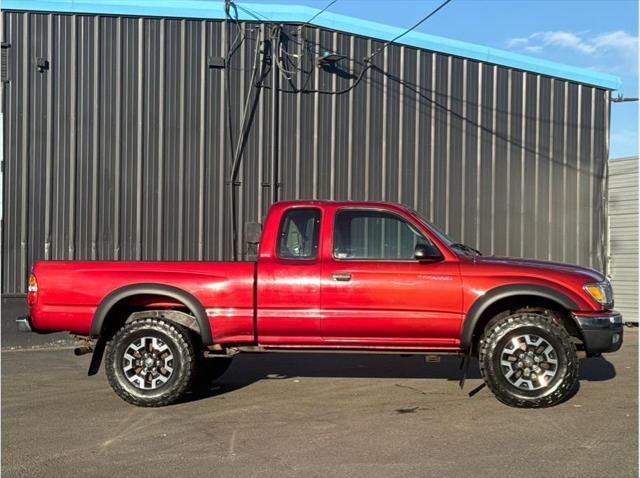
column 333, row 21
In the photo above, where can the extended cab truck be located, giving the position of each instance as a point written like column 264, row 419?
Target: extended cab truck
column 347, row 276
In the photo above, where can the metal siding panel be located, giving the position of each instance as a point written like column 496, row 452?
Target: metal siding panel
column 341, row 128
column 455, row 141
column 583, row 174
column 557, row 200
column 391, row 163
column 485, row 167
column 152, row 130
column 529, row 219
column 545, row 168
column 623, row 235
column 471, row 139
column 425, row 146
column 38, row 151
column 601, row 142
column 359, row 126
column 121, row 149
column 441, row 148
column 374, row 142
column 501, row 170
column 572, row 154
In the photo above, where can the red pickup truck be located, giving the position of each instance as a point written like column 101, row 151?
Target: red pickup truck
column 340, row 276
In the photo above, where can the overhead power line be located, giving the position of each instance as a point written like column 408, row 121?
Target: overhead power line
column 420, row 22
column 367, row 60
column 317, row 14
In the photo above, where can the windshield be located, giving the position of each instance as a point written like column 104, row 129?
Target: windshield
column 459, row 248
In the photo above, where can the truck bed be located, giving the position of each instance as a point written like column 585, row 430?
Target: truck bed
column 69, row 292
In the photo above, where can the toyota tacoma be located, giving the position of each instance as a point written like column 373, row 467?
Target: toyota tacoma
column 332, row 276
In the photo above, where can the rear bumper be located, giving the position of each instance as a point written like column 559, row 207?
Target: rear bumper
column 602, row 332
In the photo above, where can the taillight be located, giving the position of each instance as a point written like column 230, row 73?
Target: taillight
column 32, row 290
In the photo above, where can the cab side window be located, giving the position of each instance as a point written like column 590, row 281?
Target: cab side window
column 299, row 234
column 362, row 234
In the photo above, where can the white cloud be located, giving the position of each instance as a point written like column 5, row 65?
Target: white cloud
column 532, row 48
column 619, row 39
column 517, row 42
column 581, row 42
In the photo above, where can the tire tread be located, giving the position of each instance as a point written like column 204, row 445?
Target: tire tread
column 497, row 329
column 182, row 340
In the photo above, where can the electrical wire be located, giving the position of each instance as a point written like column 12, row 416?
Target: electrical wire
column 428, row 95
column 237, row 153
column 281, row 50
column 366, row 60
column 240, row 33
column 276, row 49
column 420, row 22
column 317, row 14
column 227, row 88
column 244, row 113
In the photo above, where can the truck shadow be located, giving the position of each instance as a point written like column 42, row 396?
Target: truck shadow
column 247, row 369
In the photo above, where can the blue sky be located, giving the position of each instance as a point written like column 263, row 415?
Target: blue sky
column 597, row 34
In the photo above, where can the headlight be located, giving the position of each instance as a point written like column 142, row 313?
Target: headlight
column 601, row 292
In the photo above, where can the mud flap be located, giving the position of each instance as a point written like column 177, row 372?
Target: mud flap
column 477, row 389
column 96, row 358
column 464, row 366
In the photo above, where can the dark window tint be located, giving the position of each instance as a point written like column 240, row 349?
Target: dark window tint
column 299, row 232
column 374, row 235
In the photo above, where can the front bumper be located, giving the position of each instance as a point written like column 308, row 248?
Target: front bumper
column 602, row 331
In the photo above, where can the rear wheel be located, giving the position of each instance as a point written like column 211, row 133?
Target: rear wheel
column 528, row 360
column 150, row 362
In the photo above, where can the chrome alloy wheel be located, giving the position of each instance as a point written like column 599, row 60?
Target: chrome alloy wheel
column 529, row 362
column 147, row 363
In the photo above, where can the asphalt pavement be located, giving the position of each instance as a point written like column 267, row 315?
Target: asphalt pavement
column 316, row 415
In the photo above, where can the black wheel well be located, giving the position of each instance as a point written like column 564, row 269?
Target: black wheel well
column 114, row 309
column 124, row 308
column 532, row 303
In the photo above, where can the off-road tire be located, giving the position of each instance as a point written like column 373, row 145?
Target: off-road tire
column 184, row 362
column 498, row 334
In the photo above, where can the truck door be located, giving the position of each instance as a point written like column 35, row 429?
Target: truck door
column 375, row 293
column 288, row 308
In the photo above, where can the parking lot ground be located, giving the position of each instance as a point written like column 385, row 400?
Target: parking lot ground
column 318, row 415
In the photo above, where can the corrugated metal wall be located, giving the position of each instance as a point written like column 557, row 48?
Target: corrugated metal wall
column 121, row 148
column 623, row 235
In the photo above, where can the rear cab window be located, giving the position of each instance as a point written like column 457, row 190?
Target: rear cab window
column 299, row 234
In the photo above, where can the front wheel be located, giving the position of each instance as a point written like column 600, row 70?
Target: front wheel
column 528, row 360
column 150, row 362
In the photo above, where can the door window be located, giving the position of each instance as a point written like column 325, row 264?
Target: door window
column 299, row 234
column 362, row 234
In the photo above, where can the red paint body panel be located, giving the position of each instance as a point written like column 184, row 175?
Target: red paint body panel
column 390, row 302
column 70, row 292
column 385, row 305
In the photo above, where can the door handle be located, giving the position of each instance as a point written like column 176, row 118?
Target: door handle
column 342, row 277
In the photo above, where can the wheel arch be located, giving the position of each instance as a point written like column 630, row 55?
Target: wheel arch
column 191, row 303
column 482, row 310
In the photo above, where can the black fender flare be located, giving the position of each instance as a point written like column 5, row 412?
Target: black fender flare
column 193, row 304
column 483, row 302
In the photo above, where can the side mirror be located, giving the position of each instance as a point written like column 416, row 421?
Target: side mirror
column 253, row 231
column 425, row 253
